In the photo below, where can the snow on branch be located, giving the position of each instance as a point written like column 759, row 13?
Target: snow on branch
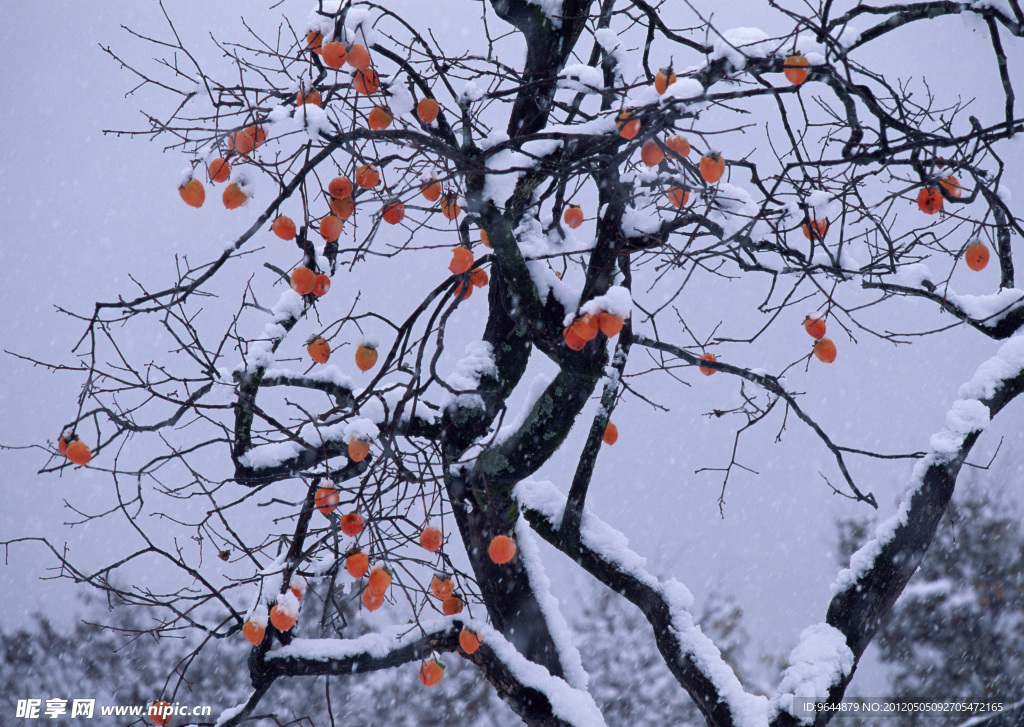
column 691, row 656
column 878, row 572
column 525, row 685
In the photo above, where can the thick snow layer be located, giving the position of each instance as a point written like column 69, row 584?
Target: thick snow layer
column 988, row 309
column 568, row 654
column 636, row 221
column 575, row 706
column 258, row 614
column 362, row 429
column 821, row 659
column 581, row 78
column 537, row 386
column 967, row 415
column 288, row 604
column 617, row 301
column 231, row 712
column 684, row 88
column 612, row 547
column 270, row 455
column 739, row 44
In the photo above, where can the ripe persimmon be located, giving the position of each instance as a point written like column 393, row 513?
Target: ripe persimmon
column 431, row 673
column 929, row 200
column 378, row 119
column 795, row 68
column 952, row 186
column 253, row 632
column 192, row 193
column 485, row 239
column 976, row 256
column 366, row 82
column 342, row 208
column 462, row 260
column 462, row 291
column 282, row 618
column 711, row 167
column 611, row 434
column 330, row 228
column 234, row 196
column 393, row 212
column 441, row 586
column 358, row 450
column 357, row 564
column 502, row 549
column 351, row 524
column 315, row 41
column 469, row 641
column 372, row 601
column 452, row 605
column 156, row 713
column 340, row 187
column 677, row 197
column 573, row 216
column 427, row 110
column 379, row 580
column 322, row 285
column 819, row 226
column 825, row 350
column 609, row 323
column 319, row 349
column 430, row 539
column 219, row 170
column 366, row 356
column 706, row 370
column 311, row 97
column 359, row 57
column 303, row 280
column 586, row 326
column 663, row 79
column 62, row 445
column 478, row 277
column 78, row 452
column 367, row 176
column 628, row 127
column 651, row 154
column 334, row 55
column 283, row 227
column 679, row 145
column 297, row 585
column 431, row 189
column 814, row 326
column 246, row 140
column 573, row 339
column 450, row 205
column 326, row 500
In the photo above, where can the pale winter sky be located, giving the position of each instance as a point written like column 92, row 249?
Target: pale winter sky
column 82, row 211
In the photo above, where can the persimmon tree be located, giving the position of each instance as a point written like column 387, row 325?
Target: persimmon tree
column 595, row 173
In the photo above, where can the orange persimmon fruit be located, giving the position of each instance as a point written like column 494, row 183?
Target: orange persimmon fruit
column 315, row 41
column 359, row 57
column 677, row 197
column 282, row 619
column 367, row 176
column 319, row 349
column 253, row 632
column 431, row 189
column 431, row 673
column 711, row 167
column 664, row 78
column 378, row 119
column 234, row 196
column 573, row 216
column 393, row 212
column 358, row 450
column 815, row 327
column 303, row 280
column 326, row 500
column 192, row 193
column 976, row 256
column 322, row 285
column 430, row 539
column 219, row 170
column 330, row 228
column 679, row 145
column 628, row 127
column 450, row 205
column 611, row 434
column 462, row 260
column 427, row 110
column 352, row 524
column 469, row 641
column 502, row 549
column 795, row 68
column 929, row 200
column 334, row 55
column 706, row 370
column 357, row 564
column 283, row 227
column 825, row 350
column 366, row 82
column 78, row 452
column 441, row 586
column 366, row 356
column 452, row 605
column 379, row 581
column 342, row 208
column 651, row 154
column 609, row 323
column 340, row 187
